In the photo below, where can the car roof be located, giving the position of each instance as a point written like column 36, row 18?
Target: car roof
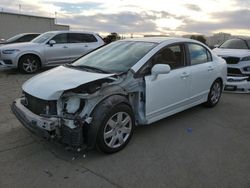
column 30, row 33
column 162, row 39
column 69, row 31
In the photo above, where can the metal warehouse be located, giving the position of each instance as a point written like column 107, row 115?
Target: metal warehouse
column 12, row 24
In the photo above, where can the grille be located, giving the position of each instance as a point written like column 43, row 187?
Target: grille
column 233, row 71
column 38, row 106
column 231, row 60
column 8, row 62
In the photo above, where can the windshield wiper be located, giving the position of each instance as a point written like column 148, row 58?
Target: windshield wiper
column 88, row 68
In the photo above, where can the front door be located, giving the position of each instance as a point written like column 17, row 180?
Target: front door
column 168, row 93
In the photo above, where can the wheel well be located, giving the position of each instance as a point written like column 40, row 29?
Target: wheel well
column 220, row 79
column 114, row 99
column 31, row 54
column 89, row 131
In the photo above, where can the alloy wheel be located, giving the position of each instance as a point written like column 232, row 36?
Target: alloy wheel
column 30, row 65
column 117, row 129
column 215, row 92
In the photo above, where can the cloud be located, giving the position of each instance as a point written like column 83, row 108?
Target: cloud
column 192, row 7
column 124, row 22
column 77, row 7
column 228, row 20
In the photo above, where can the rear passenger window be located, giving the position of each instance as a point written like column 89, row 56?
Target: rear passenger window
column 198, row 54
column 81, row 38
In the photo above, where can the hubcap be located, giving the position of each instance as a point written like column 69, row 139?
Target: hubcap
column 30, row 65
column 215, row 93
column 117, row 129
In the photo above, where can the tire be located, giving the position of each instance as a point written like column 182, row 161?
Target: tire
column 116, row 126
column 214, row 94
column 29, row 64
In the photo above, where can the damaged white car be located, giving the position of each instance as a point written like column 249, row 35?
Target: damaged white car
column 236, row 52
column 99, row 99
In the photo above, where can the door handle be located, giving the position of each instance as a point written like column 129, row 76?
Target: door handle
column 184, row 75
column 210, row 68
column 86, row 45
column 65, row 46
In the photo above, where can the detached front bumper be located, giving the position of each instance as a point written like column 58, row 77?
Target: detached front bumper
column 44, row 127
column 238, row 84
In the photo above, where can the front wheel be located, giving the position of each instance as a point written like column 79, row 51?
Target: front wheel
column 29, row 64
column 116, row 129
column 214, row 94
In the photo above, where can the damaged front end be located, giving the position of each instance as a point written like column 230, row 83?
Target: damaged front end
column 65, row 119
column 68, row 119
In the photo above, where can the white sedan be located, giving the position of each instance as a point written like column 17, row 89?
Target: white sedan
column 99, row 99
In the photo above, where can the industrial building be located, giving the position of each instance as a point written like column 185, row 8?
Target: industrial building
column 12, row 24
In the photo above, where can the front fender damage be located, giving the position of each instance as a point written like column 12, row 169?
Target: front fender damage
column 77, row 128
column 73, row 112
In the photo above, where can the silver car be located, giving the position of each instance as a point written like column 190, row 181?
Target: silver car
column 49, row 49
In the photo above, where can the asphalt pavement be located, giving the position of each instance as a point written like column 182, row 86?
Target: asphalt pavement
column 200, row 147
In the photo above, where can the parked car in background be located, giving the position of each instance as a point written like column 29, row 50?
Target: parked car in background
column 23, row 37
column 99, row 98
column 49, row 49
column 236, row 52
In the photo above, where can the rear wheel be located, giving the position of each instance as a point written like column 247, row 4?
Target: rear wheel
column 214, row 94
column 29, row 64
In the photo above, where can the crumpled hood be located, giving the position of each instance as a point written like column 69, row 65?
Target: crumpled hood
column 51, row 84
column 231, row 52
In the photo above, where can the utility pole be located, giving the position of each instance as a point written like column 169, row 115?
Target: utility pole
column 55, row 17
column 20, row 7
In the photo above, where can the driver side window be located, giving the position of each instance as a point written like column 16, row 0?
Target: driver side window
column 60, row 38
column 172, row 55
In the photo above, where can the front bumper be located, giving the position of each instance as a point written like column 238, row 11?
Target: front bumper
column 48, row 127
column 238, row 84
column 4, row 65
column 41, row 126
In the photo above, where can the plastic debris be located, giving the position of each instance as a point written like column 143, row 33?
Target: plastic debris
column 189, row 130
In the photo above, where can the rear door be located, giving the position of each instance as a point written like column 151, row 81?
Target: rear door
column 59, row 52
column 81, row 44
column 202, row 70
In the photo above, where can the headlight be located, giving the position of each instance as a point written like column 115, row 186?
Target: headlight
column 72, row 104
column 246, row 58
column 10, row 51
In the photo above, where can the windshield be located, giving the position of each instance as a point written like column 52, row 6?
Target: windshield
column 235, row 44
column 116, row 57
column 42, row 38
column 12, row 39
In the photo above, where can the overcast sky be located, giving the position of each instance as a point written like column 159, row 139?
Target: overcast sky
column 174, row 17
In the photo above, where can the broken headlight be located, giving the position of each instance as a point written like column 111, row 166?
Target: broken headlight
column 73, row 104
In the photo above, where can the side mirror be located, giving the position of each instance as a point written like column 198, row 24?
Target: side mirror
column 52, row 42
column 216, row 46
column 2, row 40
column 159, row 69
